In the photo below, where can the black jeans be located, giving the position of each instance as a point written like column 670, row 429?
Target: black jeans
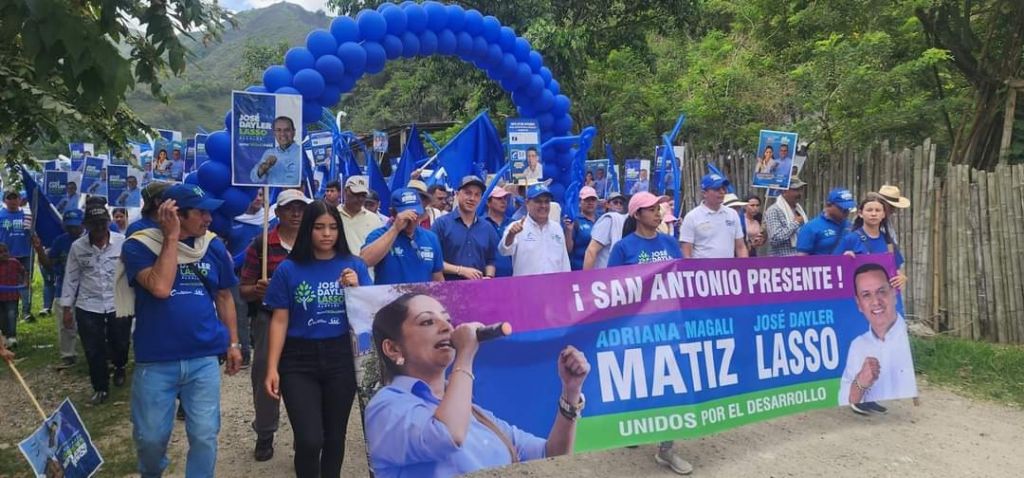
column 318, row 384
column 103, row 337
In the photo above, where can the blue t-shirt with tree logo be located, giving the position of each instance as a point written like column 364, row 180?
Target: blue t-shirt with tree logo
column 313, row 295
column 634, row 249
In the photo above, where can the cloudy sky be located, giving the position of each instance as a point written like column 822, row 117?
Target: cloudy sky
column 239, row 5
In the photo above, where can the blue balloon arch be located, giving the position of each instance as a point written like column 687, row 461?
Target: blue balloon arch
column 332, row 61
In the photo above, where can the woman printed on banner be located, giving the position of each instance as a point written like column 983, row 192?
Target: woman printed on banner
column 422, row 424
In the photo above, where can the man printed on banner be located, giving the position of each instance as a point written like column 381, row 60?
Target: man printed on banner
column 282, row 164
column 534, row 168
column 132, row 196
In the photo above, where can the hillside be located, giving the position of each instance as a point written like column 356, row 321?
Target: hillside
column 202, row 95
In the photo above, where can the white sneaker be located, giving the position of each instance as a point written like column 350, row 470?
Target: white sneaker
column 672, row 460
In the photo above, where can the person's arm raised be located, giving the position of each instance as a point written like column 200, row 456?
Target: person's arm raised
column 159, row 279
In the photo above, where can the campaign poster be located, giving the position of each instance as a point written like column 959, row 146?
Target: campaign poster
column 122, row 188
column 524, row 150
column 380, row 141
column 774, row 163
column 264, row 151
column 94, row 177
column 141, row 155
column 51, row 165
column 61, row 446
column 56, row 185
column 168, row 157
column 199, row 156
column 321, row 148
column 676, row 350
column 638, row 176
column 598, row 176
column 663, row 178
column 80, row 150
column 72, row 197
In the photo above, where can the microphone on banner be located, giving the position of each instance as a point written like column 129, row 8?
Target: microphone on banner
column 493, row 331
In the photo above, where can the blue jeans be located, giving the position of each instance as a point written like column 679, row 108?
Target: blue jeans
column 154, row 389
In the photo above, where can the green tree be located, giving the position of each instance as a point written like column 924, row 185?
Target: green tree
column 257, row 57
column 66, row 67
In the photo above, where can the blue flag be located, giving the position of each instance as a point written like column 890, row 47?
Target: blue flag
column 47, row 221
column 473, row 150
column 411, row 156
column 377, row 183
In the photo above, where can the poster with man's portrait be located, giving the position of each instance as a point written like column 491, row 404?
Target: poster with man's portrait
column 266, row 146
column 524, row 151
column 168, row 162
column 773, row 166
column 61, row 446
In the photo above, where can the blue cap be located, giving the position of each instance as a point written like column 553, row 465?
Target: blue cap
column 537, row 190
column 842, row 198
column 73, row 217
column 713, row 181
column 189, row 196
column 406, row 199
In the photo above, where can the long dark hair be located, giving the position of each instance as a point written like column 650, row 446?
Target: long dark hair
column 387, row 324
column 759, row 217
column 629, row 226
column 859, row 222
column 303, row 249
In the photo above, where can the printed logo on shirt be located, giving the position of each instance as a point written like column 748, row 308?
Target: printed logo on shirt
column 645, row 257
column 730, row 222
column 828, row 233
column 304, row 294
column 398, row 251
column 427, row 253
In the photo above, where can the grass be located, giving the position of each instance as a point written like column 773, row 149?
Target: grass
column 978, row 369
column 109, row 424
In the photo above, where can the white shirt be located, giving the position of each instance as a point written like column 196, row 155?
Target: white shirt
column 896, row 378
column 607, row 231
column 712, row 233
column 89, row 275
column 537, row 249
column 357, row 227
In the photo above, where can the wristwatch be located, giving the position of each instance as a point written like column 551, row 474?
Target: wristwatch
column 569, row 411
column 235, row 345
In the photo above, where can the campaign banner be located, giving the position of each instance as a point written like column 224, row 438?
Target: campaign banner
column 56, row 185
column 677, row 349
column 524, row 150
column 380, row 141
column 80, row 150
column 168, row 162
column 774, row 163
column 94, row 177
column 264, row 151
column 638, row 176
column 598, row 177
column 61, row 446
column 321, row 148
column 119, row 192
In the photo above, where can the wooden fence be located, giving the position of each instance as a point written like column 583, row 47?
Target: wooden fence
column 962, row 237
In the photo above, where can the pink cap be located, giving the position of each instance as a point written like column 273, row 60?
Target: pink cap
column 666, row 214
column 588, row 192
column 643, row 200
column 498, row 192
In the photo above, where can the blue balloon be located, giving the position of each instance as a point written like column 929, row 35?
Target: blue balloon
column 287, row 90
column 410, row 45
column 311, row 111
column 235, row 202
column 345, row 29
column 526, row 111
column 551, row 170
column 330, row 97
column 354, row 57
column 220, row 224
column 375, row 57
column 298, row 58
column 564, row 159
column 545, row 101
column 309, row 83
column 320, row 42
column 193, row 177
column 464, row 44
column 545, row 120
column 446, row 42
column 563, row 148
column 331, row 68
column 346, row 83
column 396, row 19
column 392, row 46
column 214, row 176
column 218, row 146
column 563, row 125
column 508, row 83
column 372, row 25
column 536, row 61
column 227, row 120
column 256, row 89
column 385, row 6
column 557, row 191
column 479, row 48
column 491, row 28
column 523, row 49
column 416, row 18
column 508, row 65
column 456, row 18
column 554, row 87
column 437, row 16
column 545, row 73
column 494, row 73
column 522, row 76
column 535, row 87
column 494, row 56
column 275, row 77
column 507, row 39
column 474, row 23
column 562, row 105
column 428, row 43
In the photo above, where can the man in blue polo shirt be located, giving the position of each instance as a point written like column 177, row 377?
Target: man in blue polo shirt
column 179, row 279
column 497, row 206
column 469, row 244
column 821, row 235
column 404, row 252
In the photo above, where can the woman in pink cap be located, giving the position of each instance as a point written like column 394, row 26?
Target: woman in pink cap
column 577, row 231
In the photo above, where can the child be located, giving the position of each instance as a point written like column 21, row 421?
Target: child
column 12, row 275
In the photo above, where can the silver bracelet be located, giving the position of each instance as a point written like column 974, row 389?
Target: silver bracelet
column 467, row 372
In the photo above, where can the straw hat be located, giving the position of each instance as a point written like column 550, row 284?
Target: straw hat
column 731, row 200
column 891, row 195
